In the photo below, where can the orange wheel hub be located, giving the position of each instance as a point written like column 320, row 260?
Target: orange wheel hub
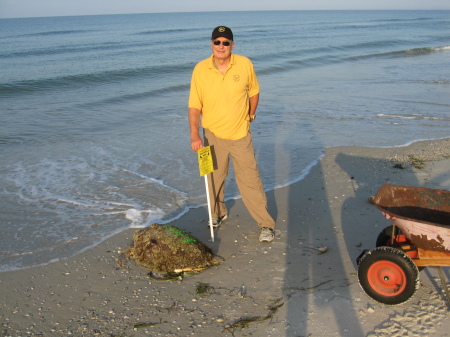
column 387, row 278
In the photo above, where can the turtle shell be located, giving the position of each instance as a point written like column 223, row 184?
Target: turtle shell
column 165, row 248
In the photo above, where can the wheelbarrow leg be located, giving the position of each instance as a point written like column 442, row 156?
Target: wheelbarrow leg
column 444, row 284
column 393, row 234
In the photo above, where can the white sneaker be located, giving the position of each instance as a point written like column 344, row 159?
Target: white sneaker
column 266, row 235
column 217, row 221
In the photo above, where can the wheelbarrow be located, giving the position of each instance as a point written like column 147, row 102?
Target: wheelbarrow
column 419, row 237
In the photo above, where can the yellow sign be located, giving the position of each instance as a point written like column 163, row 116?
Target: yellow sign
column 205, row 161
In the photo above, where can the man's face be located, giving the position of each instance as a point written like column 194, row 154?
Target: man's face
column 220, row 51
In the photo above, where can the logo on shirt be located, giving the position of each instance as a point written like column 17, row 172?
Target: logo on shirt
column 236, row 78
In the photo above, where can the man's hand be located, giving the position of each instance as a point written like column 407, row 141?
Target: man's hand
column 196, row 143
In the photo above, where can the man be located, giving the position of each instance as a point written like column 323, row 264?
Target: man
column 225, row 93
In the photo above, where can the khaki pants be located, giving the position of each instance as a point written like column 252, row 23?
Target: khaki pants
column 247, row 177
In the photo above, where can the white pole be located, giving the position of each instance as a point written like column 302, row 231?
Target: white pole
column 209, row 208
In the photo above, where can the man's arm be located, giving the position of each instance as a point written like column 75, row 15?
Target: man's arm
column 253, row 104
column 194, row 121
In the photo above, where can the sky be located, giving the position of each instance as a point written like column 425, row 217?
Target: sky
column 35, row 8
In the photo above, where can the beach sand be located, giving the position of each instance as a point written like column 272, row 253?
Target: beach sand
column 285, row 288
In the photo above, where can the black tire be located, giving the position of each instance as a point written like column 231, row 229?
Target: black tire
column 385, row 236
column 388, row 275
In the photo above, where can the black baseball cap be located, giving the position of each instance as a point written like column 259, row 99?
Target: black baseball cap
column 222, row 31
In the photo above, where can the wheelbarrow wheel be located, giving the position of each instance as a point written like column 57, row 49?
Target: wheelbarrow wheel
column 388, row 275
column 385, row 237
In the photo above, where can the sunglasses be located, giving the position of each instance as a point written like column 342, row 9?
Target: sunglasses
column 225, row 43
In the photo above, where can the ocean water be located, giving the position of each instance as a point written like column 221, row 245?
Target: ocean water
column 94, row 136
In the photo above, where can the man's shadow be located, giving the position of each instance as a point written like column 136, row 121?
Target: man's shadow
column 315, row 262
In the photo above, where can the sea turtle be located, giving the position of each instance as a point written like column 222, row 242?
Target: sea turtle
column 168, row 249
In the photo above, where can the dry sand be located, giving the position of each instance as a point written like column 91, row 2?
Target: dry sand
column 285, row 288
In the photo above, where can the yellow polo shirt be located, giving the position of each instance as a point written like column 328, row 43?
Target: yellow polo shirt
column 223, row 99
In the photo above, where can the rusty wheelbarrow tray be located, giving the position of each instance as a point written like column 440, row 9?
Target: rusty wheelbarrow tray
column 418, row 237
